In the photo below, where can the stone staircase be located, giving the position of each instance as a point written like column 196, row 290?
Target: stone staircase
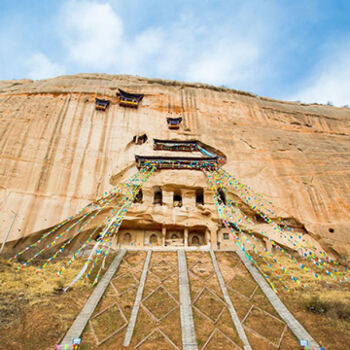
column 191, row 309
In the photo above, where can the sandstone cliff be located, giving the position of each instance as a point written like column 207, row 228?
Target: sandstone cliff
column 58, row 153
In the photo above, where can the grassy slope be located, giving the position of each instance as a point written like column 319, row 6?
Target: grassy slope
column 35, row 314
column 323, row 308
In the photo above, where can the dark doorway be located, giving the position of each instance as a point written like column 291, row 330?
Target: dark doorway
column 221, row 196
column 177, row 199
column 157, row 195
column 138, row 198
column 199, row 196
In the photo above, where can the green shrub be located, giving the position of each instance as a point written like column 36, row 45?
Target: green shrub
column 315, row 305
column 335, row 309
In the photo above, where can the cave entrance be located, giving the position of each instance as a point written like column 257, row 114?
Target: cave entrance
column 157, row 195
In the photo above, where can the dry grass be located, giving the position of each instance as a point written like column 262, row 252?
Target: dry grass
column 321, row 305
column 163, row 266
column 35, row 313
column 265, row 325
column 159, row 303
column 201, row 274
column 209, row 305
column 37, row 285
column 111, row 320
column 262, row 324
column 107, row 322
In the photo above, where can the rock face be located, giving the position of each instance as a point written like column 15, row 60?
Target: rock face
column 58, row 153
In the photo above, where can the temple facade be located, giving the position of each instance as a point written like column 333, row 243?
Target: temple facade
column 174, row 208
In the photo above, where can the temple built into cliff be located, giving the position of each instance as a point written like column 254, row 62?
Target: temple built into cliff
column 206, row 130
column 174, row 123
column 193, row 168
column 127, row 99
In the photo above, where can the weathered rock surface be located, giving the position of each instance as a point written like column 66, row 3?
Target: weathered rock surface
column 58, row 153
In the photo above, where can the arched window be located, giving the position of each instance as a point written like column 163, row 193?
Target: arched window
column 199, row 196
column 127, row 238
column 177, row 199
column 195, row 240
column 221, row 196
column 153, row 239
column 157, row 195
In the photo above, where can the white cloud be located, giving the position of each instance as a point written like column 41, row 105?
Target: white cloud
column 245, row 45
column 40, row 67
column 91, row 32
column 186, row 49
column 227, row 62
column 330, row 80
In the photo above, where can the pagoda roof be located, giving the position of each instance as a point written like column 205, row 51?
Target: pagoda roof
column 177, row 142
column 189, row 163
column 102, row 102
column 174, row 120
column 125, row 94
column 174, row 158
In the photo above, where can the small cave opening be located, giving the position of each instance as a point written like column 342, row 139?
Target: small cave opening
column 139, row 139
column 200, row 196
column 177, row 199
column 331, row 230
column 98, row 237
column 221, row 196
column 259, row 219
column 139, row 197
column 157, row 195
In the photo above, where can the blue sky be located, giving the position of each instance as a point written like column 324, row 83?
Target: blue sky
column 286, row 49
